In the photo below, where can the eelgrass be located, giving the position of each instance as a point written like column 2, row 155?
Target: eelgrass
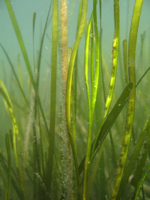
column 8, row 190
column 141, row 182
column 24, row 53
column 132, row 97
column 49, row 167
column 125, row 60
column 43, row 168
column 81, row 25
column 9, row 106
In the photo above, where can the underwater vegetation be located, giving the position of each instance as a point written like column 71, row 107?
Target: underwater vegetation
column 83, row 131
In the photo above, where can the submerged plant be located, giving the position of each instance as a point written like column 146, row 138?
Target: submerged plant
column 63, row 151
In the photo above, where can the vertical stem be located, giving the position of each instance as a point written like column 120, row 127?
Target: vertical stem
column 94, row 88
column 131, row 103
column 81, row 25
column 125, row 60
column 72, row 61
column 64, row 55
column 115, row 50
column 8, row 189
column 64, row 47
column 88, row 149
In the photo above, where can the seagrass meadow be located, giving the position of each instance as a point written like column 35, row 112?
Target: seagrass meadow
column 74, row 100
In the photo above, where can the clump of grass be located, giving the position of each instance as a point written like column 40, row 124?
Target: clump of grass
column 132, row 97
column 72, row 161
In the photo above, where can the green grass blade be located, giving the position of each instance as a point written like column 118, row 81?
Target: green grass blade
column 19, row 72
column 19, row 37
column 92, row 58
column 142, row 77
column 9, row 105
column 80, row 29
column 97, row 63
column 42, row 184
column 129, row 168
column 72, row 61
column 53, row 94
column 73, row 136
column 110, row 119
column 33, row 26
column 113, row 115
column 115, row 51
column 37, row 76
column 138, row 173
column 41, row 46
column 94, row 86
column 125, row 60
column 33, row 29
column 141, row 182
column 15, row 75
column 134, row 157
column 20, row 79
column 15, row 182
column 24, row 53
column 131, row 103
column 88, row 151
column 7, row 194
